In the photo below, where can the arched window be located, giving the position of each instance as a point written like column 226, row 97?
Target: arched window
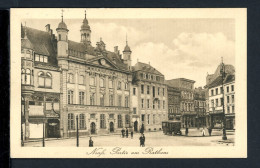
column 22, row 53
column 92, row 99
column 102, row 100
column 70, row 78
column 82, row 123
column 41, row 79
column 28, row 77
column 48, row 80
column 23, row 76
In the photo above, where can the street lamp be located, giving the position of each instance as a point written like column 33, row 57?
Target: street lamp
column 77, row 119
column 43, row 136
column 222, row 71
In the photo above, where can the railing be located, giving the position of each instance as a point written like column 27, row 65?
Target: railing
column 79, row 106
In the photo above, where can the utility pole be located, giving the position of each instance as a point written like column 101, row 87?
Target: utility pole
column 222, row 71
column 43, row 140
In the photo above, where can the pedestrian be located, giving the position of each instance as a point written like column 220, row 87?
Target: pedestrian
column 186, row 131
column 143, row 140
column 203, row 132
column 132, row 134
column 91, row 143
column 210, row 130
column 123, row 133
column 126, row 133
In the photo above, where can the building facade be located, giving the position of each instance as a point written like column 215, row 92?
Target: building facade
column 40, row 91
column 174, row 97
column 186, row 88
column 200, row 106
column 215, row 91
column 149, row 98
column 77, row 82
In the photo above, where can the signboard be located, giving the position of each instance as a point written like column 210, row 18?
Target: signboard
column 36, row 111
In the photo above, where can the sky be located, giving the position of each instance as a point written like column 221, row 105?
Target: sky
column 177, row 47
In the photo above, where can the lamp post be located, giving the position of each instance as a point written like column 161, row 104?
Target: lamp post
column 43, row 136
column 22, row 143
column 77, row 120
column 222, row 71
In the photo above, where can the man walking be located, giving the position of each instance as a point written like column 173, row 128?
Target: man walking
column 210, row 130
column 123, row 133
column 142, row 140
column 126, row 133
column 132, row 134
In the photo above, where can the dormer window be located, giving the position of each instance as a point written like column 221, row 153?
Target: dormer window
column 41, row 58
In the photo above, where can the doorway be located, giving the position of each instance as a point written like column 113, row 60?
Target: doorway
column 111, row 126
column 92, row 128
column 135, row 126
column 53, row 128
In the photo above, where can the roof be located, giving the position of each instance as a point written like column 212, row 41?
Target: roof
column 85, row 25
column 139, row 66
column 127, row 49
column 218, row 81
column 42, row 43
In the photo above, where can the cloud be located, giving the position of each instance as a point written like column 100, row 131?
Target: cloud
column 189, row 55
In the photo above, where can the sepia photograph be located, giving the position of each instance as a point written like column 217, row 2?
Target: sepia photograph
column 128, row 83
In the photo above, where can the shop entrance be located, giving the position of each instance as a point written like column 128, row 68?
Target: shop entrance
column 92, row 128
column 53, row 128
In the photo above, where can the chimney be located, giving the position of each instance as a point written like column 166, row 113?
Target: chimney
column 116, row 49
column 48, row 27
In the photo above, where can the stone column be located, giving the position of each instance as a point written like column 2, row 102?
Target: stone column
column 26, row 114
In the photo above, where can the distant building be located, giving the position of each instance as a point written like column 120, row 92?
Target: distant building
column 149, row 99
column 200, row 106
column 174, row 100
column 186, row 88
column 215, row 99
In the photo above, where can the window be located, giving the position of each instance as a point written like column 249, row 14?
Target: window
column 70, row 121
column 45, row 59
column 118, row 85
column 233, row 99
column 148, row 89
column 163, row 91
column 127, row 119
column 111, row 100
column 216, row 91
column 126, row 101
column 82, row 124
column 23, row 76
column 148, row 118
column 119, row 121
column 227, row 99
column 159, row 104
column 142, row 89
column 163, row 104
column 227, row 89
column 221, row 99
column 48, row 80
column 212, row 103
column 232, row 88
column 233, row 109
column 143, row 115
column 70, row 78
column 41, row 58
column 228, row 109
column 134, row 110
column 70, row 97
column 148, row 103
column 221, row 90
column 110, row 83
column 153, row 91
column 102, row 121
column 119, row 100
column 212, row 92
column 27, row 77
column 92, row 98
column 59, row 37
column 92, row 81
column 126, row 86
column 216, row 102
column 36, row 57
column 111, row 116
column 102, row 100
column 81, row 80
column 153, row 118
column 144, row 75
column 158, row 91
column 142, row 103
column 101, row 82
column 81, row 98
column 153, row 104
column 134, row 90
column 92, row 116
column 152, row 77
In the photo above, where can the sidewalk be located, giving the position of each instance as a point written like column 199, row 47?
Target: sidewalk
column 194, row 132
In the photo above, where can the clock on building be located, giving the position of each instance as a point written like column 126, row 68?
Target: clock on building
column 102, row 62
